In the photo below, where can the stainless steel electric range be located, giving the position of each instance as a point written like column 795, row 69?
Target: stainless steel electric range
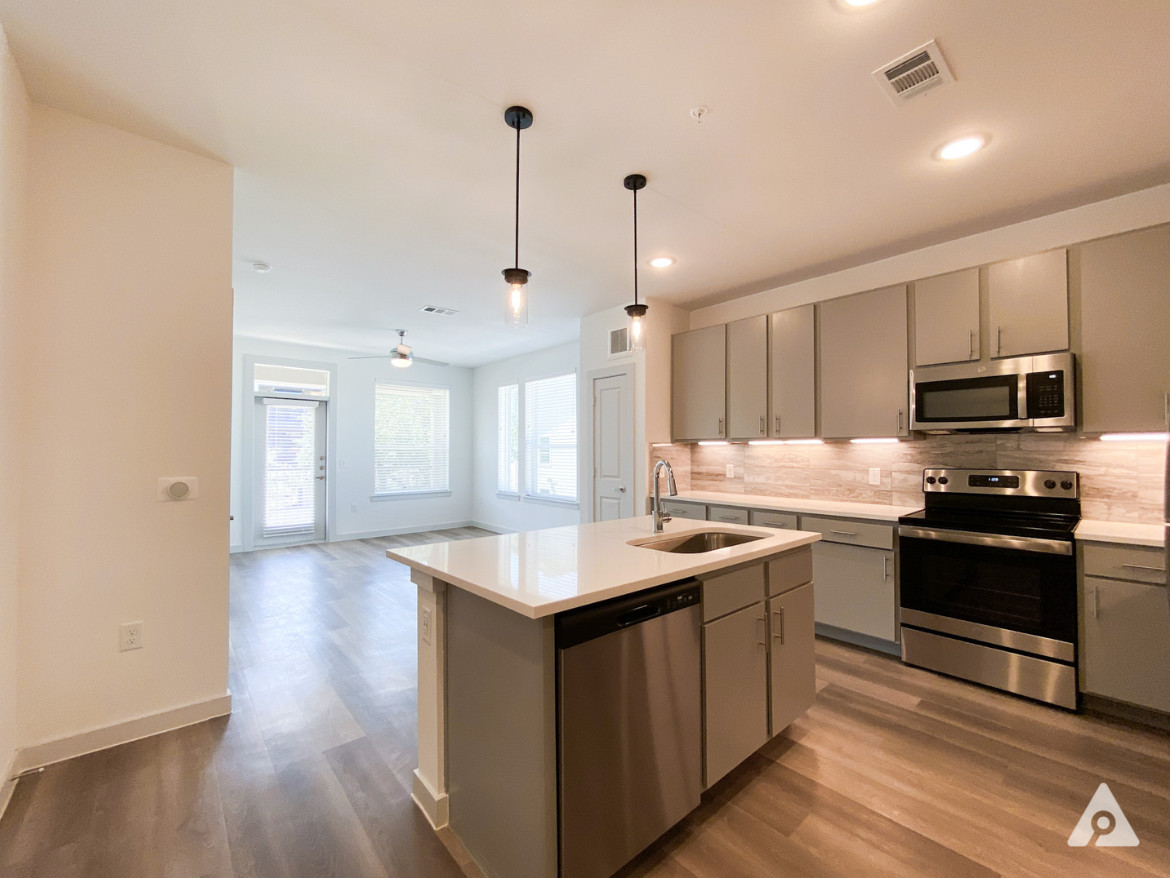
column 988, row 580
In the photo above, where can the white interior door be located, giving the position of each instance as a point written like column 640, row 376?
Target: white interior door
column 613, row 448
column 290, row 472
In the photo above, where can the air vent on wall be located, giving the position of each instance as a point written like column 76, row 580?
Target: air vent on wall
column 436, row 310
column 619, row 342
column 913, row 74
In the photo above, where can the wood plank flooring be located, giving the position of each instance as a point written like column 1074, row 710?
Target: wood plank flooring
column 895, row 771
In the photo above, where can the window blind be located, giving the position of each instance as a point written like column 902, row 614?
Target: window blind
column 411, row 439
column 508, row 439
column 550, row 416
column 289, row 488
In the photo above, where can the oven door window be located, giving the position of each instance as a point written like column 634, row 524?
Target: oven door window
column 1031, row 592
column 994, row 398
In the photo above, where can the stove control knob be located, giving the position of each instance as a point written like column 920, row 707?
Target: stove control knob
column 942, row 480
column 1067, row 484
column 1049, row 484
column 930, row 480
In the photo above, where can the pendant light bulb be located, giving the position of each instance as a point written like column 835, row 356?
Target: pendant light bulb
column 516, row 298
column 636, row 313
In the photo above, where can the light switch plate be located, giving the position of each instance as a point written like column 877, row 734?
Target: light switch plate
column 731, row 471
column 875, row 475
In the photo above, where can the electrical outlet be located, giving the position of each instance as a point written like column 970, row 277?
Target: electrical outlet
column 731, row 471
column 130, row 636
column 875, row 475
column 353, row 507
column 426, row 625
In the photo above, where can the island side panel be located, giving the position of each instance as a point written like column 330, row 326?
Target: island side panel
column 429, row 788
column 501, row 736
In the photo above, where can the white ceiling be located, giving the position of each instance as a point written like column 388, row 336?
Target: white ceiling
column 375, row 170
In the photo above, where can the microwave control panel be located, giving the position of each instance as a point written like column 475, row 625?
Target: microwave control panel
column 1045, row 392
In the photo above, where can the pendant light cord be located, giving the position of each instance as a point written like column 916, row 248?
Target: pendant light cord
column 635, row 246
column 516, row 255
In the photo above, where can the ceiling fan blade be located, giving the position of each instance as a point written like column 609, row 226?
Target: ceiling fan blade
column 430, row 362
column 372, row 357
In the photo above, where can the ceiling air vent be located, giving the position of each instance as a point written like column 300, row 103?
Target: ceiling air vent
column 913, row 74
column 437, row 311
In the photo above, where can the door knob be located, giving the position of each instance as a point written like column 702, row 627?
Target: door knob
column 318, row 477
column 621, row 489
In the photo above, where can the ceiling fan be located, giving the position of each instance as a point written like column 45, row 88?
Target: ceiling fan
column 401, row 355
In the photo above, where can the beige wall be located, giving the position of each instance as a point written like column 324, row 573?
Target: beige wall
column 127, row 315
column 14, row 112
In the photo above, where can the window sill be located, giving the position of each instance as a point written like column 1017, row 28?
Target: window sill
column 409, row 495
column 507, row 495
column 550, row 501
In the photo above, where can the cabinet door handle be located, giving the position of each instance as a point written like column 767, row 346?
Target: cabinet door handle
column 1096, row 602
column 778, row 417
column 998, row 340
column 899, row 420
column 780, row 627
column 844, row 533
column 885, row 566
column 763, row 624
column 763, row 425
column 1144, row 567
column 971, row 355
column 721, row 427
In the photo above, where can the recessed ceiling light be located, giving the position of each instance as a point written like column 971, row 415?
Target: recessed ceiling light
column 261, row 267
column 662, row 262
column 962, row 147
column 859, row 2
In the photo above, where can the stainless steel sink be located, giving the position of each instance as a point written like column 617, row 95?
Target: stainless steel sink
column 703, row 541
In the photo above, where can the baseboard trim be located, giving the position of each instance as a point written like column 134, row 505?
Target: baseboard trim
column 8, row 782
column 433, row 805
column 494, row 528
column 395, row 531
column 1122, row 710
column 863, row 640
column 92, row 740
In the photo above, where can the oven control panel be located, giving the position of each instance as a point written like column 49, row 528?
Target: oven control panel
column 1009, row 483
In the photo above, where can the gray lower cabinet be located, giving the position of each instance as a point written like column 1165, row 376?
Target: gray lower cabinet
column 1125, row 626
column 792, row 671
column 855, row 589
column 681, row 509
column 735, row 684
column 727, row 514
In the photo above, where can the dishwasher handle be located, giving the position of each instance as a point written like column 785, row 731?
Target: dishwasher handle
column 636, row 615
column 574, row 627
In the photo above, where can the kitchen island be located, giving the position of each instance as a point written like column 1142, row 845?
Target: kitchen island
column 487, row 645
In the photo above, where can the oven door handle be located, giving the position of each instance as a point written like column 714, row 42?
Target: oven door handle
column 997, row 541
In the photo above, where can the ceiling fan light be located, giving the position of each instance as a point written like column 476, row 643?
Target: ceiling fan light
column 402, row 361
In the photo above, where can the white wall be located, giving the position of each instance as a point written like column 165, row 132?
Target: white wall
column 1111, row 217
column 507, row 514
column 351, row 512
column 14, row 121
column 126, row 317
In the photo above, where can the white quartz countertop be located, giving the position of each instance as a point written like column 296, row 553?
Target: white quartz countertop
column 541, row 572
column 1123, row 532
column 843, row 508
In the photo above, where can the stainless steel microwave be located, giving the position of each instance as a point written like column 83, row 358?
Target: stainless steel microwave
column 1020, row 393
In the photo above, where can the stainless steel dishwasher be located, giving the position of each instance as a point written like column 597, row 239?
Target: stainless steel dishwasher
column 629, row 725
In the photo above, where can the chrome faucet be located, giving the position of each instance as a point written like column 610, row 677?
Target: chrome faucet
column 661, row 517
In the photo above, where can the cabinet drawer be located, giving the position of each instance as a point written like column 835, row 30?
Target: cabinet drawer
column 774, row 519
column 790, row 571
column 727, row 514
column 854, row 533
column 679, row 509
column 1138, row 563
column 729, row 591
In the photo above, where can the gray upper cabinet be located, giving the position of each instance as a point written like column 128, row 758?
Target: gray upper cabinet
column 747, row 378
column 946, row 318
column 699, row 384
column 792, row 374
column 1125, row 331
column 863, row 365
column 1028, row 304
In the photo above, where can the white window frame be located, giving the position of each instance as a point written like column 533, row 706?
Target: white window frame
column 525, row 463
column 504, row 491
column 433, row 491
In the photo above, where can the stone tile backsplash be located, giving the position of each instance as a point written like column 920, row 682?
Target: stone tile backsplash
column 1120, row 481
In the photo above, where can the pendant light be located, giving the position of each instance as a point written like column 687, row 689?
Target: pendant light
column 635, row 325
column 516, row 300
